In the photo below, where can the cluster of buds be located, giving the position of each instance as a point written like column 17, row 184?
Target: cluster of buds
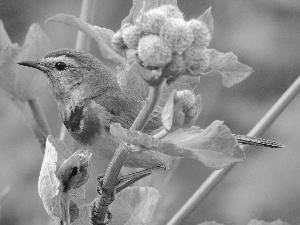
column 162, row 38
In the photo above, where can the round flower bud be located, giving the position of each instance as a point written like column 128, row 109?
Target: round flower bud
column 177, row 34
column 75, row 170
column 132, row 56
column 153, row 51
column 152, row 21
column 190, row 106
column 117, row 42
column 201, row 32
column 131, row 36
column 171, row 11
column 197, row 58
column 177, row 64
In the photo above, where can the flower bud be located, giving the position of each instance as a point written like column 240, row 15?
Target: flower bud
column 74, row 171
column 181, row 110
column 152, row 21
column 171, row 11
column 201, row 32
column 153, row 51
column 197, row 58
column 131, row 36
column 177, row 64
column 177, row 34
column 191, row 106
column 117, row 42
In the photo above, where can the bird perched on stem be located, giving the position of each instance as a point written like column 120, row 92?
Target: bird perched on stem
column 89, row 99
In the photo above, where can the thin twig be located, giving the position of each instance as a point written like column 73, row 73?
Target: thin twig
column 40, row 126
column 218, row 175
column 111, row 176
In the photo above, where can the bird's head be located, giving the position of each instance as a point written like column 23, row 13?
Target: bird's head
column 74, row 75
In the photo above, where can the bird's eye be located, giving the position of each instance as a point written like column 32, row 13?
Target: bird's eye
column 60, row 66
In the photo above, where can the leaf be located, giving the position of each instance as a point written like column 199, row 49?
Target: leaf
column 55, row 154
column 214, row 146
column 138, row 5
column 18, row 82
column 135, row 205
column 48, row 183
column 227, row 64
column 261, row 222
column 30, row 83
column 207, row 18
column 134, row 86
column 103, row 36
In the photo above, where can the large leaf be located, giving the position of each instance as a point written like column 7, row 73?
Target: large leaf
column 214, row 146
column 48, row 183
column 103, row 36
column 19, row 82
column 134, row 206
column 227, row 64
column 56, row 153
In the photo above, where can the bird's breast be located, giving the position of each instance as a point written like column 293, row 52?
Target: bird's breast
column 87, row 123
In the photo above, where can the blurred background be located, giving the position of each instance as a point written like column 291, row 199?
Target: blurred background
column 263, row 34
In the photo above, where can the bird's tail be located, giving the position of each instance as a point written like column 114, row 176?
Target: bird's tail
column 243, row 139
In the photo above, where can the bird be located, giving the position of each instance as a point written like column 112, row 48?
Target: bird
column 89, row 99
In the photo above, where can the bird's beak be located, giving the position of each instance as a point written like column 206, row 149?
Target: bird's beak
column 34, row 64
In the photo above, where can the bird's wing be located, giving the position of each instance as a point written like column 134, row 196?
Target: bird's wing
column 124, row 111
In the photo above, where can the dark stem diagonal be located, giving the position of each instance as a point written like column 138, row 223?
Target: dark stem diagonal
column 211, row 182
column 110, row 179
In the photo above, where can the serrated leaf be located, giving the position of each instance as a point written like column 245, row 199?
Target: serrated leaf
column 19, row 82
column 136, row 9
column 134, row 206
column 214, row 146
column 261, row 222
column 103, row 36
column 227, row 64
column 207, row 18
column 48, row 183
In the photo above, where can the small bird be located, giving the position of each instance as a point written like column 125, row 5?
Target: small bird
column 89, row 99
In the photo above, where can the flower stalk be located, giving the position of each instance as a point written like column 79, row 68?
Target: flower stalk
column 111, row 176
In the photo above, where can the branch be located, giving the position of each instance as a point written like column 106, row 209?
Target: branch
column 111, row 176
column 218, row 175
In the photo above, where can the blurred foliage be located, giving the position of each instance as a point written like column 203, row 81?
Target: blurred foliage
column 263, row 34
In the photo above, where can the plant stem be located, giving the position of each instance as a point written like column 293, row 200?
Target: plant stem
column 64, row 202
column 40, row 125
column 82, row 44
column 209, row 184
column 111, row 176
